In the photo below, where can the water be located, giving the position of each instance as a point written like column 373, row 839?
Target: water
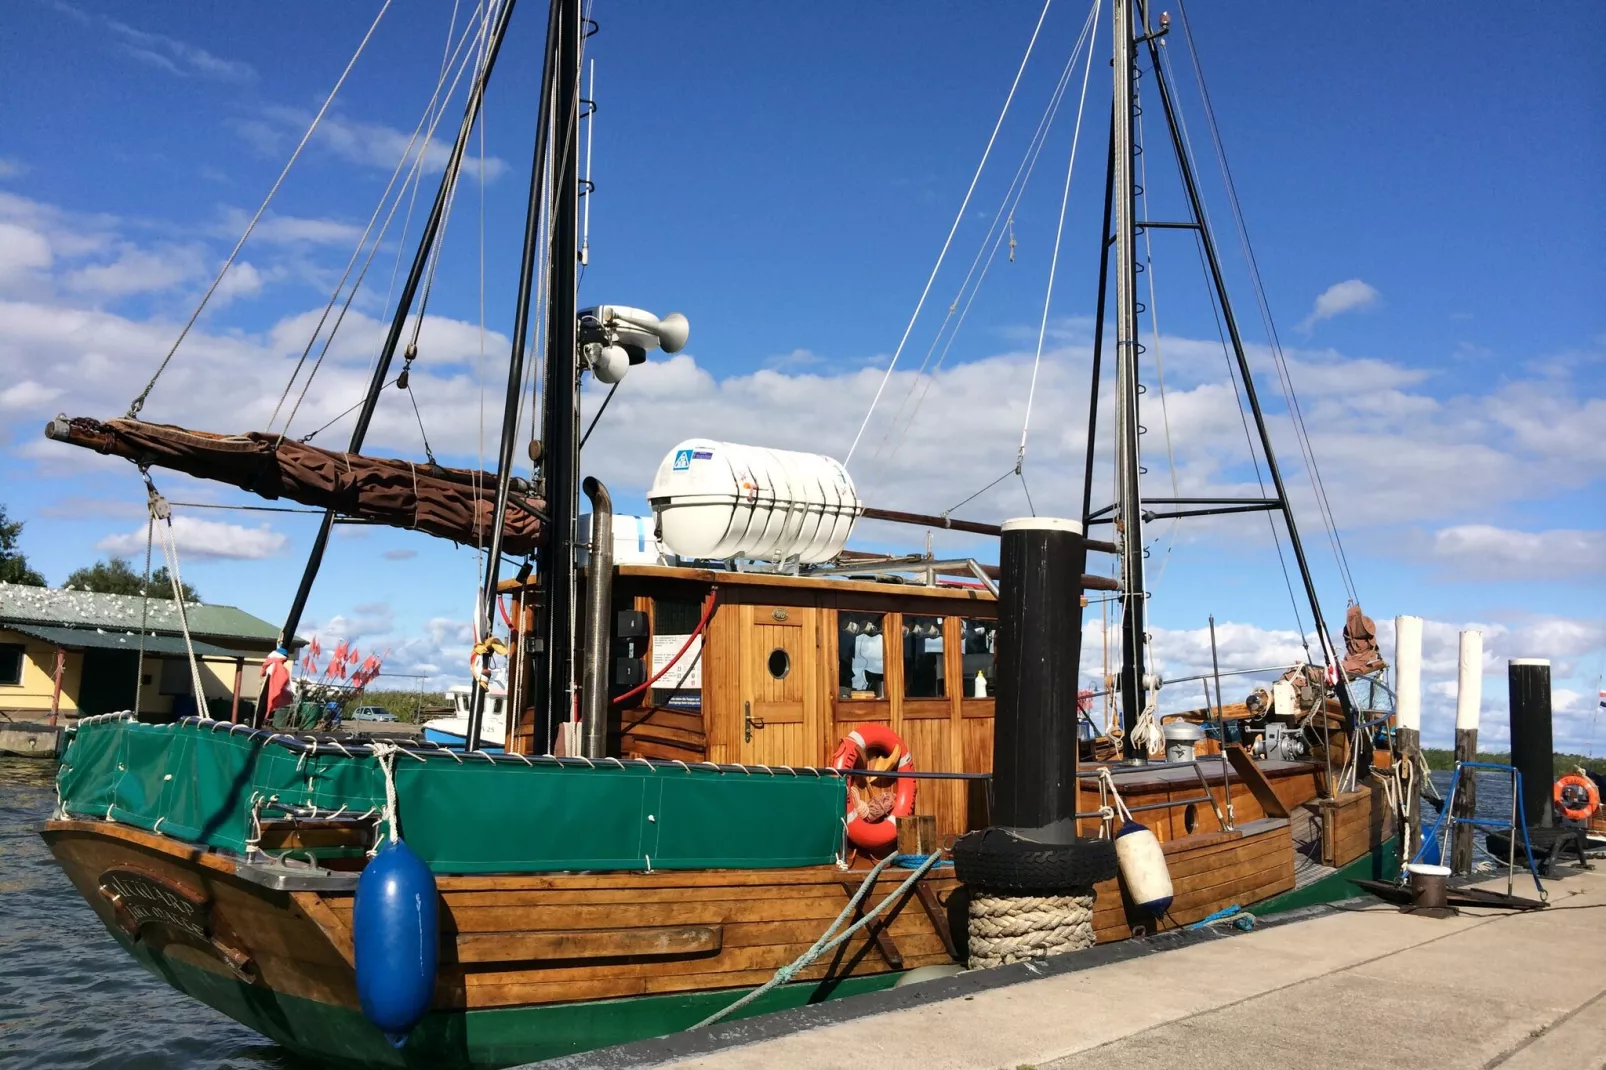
column 1494, row 804
column 69, row 995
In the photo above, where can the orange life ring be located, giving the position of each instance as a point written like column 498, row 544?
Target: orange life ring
column 858, row 750
column 1567, row 802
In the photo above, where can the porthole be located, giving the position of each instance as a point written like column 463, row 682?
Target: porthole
column 1190, row 819
column 780, row 663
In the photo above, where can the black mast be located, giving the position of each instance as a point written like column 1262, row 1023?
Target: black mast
column 1128, row 491
column 404, row 305
column 534, row 212
column 560, row 455
column 1128, row 508
column 1196, row 210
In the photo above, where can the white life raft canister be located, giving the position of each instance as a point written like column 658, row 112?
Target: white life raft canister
column 1143, row 869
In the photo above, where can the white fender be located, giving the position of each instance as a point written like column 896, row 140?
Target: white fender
column 1143, row 868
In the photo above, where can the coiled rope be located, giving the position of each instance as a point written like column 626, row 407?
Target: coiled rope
column 1011, row 928
column 1146, row 733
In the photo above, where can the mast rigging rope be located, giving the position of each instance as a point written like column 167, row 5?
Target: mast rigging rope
column 988, row 248
column 958, row 218
column 362, row 241
column 1302, row 436
column 1233, row 372
column 1053, row 263
column 414, row 177
column 139, row 402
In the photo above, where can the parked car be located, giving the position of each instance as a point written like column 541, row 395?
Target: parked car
column 371, row 713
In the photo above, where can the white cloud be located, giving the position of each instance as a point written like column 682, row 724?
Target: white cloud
column 1346, row 296
column 1484, row 551
column 22, row 251
column 241, row 280
column 177, row 57
column 368, row 144
column 1409, row 449
column 203, row 539
column 28, row 395
column 278, row 229
column 11, row 167
column 1572, row 645
column 137, row 271
column 438, row 651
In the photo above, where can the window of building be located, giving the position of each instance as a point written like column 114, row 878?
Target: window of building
column 922, row 658
column 861, row 655
column 978, row 657
column 176, row 677
column 11, row 659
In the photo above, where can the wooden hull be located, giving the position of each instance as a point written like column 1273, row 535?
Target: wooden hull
column 536, row 966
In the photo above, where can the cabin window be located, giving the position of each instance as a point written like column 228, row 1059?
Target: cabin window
column 978, row 660
column 923, row 675
column 11, row 656
column 780, row 663
column 861, row 655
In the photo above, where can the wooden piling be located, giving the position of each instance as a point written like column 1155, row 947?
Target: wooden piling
column 1408, row 719
column 1469, row 700
column 55, row 694
column 239, row 680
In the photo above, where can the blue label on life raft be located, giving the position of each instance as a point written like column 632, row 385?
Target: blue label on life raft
column 703, row 455
column 682, row 460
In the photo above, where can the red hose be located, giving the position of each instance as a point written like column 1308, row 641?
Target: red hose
column 501, row 603
column 708, row 611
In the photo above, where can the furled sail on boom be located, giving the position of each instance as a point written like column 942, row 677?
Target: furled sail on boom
column 450, row 503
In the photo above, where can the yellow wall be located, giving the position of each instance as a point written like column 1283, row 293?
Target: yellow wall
column 33, row 695
column 38, row 683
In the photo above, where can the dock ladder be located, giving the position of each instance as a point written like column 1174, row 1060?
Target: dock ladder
column 1436, row 845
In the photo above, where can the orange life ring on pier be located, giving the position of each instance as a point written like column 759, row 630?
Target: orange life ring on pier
column 1576, row 797
column 872, row 822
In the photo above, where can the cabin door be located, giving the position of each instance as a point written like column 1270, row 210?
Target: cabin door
column 778, row 685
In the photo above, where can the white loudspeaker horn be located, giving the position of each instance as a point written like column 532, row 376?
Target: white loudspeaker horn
column 673, row 330
column 610, row 364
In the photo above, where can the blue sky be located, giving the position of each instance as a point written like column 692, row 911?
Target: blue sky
column 786, row 178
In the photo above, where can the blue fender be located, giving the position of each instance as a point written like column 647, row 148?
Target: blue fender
column 396, row 933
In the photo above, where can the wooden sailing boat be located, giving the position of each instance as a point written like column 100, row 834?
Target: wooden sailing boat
column 639, row 868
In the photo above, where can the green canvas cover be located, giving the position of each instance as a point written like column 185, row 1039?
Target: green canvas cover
column 468, row 816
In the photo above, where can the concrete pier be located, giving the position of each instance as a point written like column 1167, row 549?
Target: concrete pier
column 26, row 739
column 1361, row 985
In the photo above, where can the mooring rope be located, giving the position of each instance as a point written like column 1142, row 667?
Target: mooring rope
column 827, row 940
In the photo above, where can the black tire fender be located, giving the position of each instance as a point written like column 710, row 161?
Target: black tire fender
column 1000, row 860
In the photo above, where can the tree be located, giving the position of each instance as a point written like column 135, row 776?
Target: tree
column 13, row 565
column 116, row 576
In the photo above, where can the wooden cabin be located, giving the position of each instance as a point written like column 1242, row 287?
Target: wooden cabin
column 786, row 666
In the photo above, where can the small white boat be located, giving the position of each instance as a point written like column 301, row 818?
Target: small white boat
column 453, row 731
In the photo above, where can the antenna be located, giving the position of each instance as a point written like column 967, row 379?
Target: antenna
column 586, row 183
